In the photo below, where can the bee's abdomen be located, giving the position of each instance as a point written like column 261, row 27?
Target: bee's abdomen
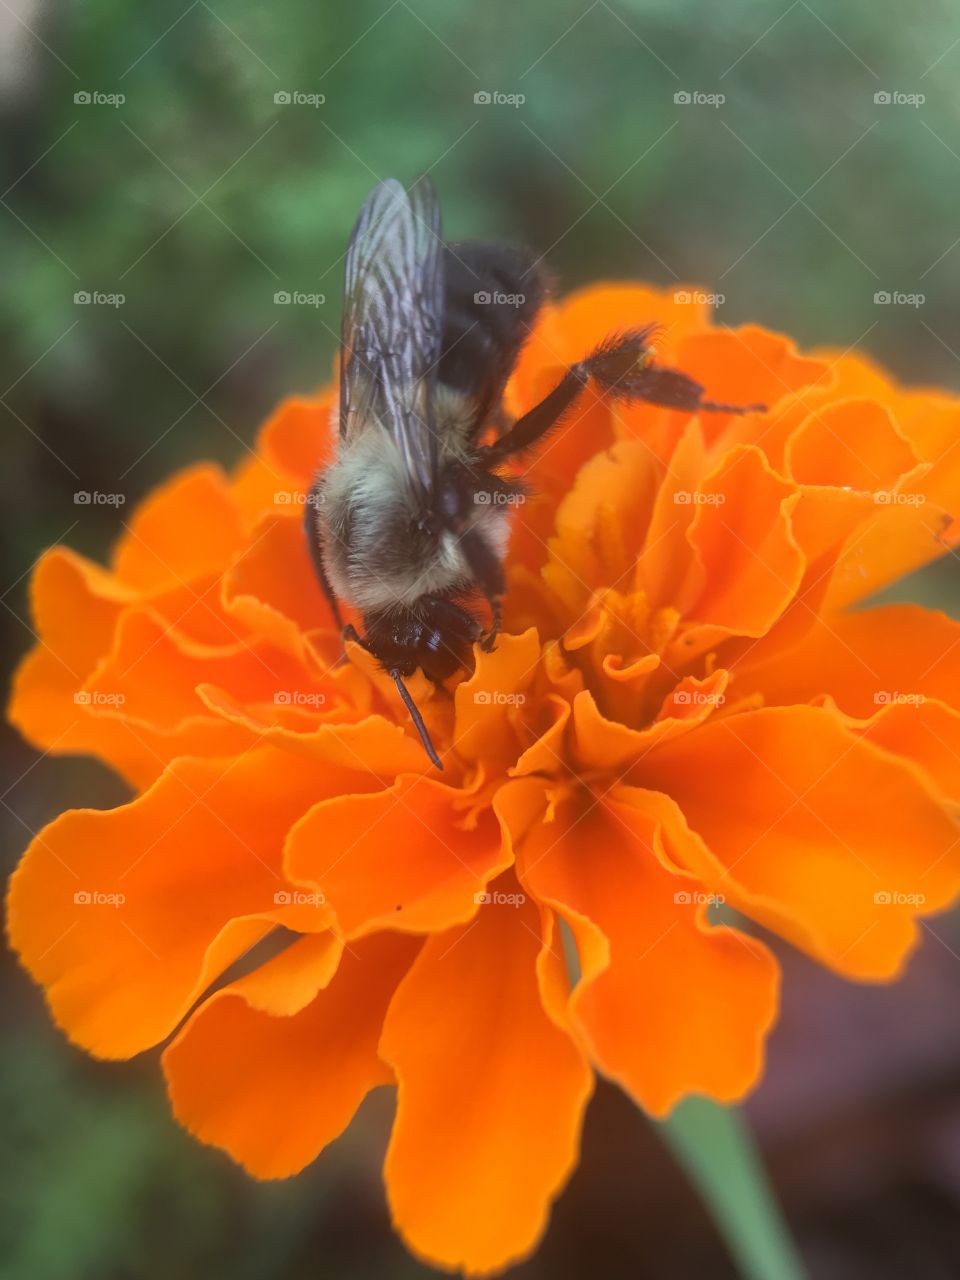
column 492, row 295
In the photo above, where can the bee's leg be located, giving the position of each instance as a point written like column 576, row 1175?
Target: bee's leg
column 623, row 369
column 316, row 554
column 487, row 572
column 488, row 643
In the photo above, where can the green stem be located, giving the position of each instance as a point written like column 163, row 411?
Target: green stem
column 717, row 1152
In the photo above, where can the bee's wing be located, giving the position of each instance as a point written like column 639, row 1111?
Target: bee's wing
column 393, row 324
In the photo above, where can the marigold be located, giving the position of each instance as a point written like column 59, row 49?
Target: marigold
column 684, row 709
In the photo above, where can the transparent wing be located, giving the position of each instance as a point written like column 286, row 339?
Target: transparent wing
column 393, row 324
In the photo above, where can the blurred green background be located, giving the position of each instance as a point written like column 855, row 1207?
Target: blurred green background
column 198, row 198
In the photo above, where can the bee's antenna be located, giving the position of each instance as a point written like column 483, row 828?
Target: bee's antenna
column 416, row 717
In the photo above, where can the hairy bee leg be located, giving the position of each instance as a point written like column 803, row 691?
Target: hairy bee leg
column 526, row 431
column 416, row 717
column 622, row 369
column 316, row 554
column 488, row 643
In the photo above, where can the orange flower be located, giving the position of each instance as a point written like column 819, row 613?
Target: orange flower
column 684, row 710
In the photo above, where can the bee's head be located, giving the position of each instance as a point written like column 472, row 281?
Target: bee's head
column 437, row 638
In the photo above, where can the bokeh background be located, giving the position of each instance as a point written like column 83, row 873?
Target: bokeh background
column 200, row 196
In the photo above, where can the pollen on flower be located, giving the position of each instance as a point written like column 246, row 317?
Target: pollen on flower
column 683, row 655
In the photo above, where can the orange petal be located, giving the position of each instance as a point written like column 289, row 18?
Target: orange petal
column 491, row 1093
column 752, row 563
column 154, row 671
column 818, row 825
column 407, row 858
column 853, row 443
column 489, row 702
column 922, row 730
column 126, row 915
column 862, row 660
column 668, row 1005
column 299, row 437
column 600, row 743
column 601, row 524
column 667, row 558
column 745, row 365
column 370, row 744
column 189, row 526
column 273, row 1091
column 272, row 588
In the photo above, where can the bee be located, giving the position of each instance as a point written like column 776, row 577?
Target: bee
column 409, row 525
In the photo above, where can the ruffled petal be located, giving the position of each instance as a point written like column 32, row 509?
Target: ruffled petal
column 491, row 1093
column 125, row 916
column 862, row 660
column 186, row 528
column 667, row 1004
column 273, row 1085
column 298, row 438
column 816, row 832
column 415, row 857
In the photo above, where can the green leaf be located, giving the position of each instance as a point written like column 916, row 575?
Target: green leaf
column 715, row 1148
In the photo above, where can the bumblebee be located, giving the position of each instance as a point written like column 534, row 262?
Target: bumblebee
column 410, row 524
